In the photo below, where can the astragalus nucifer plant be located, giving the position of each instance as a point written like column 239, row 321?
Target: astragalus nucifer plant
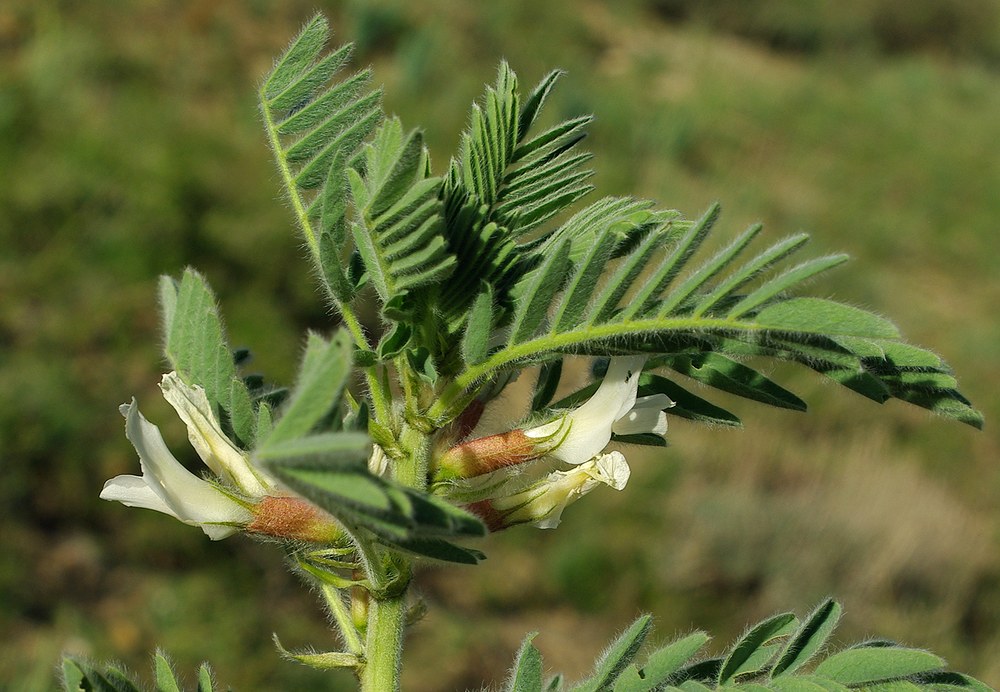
column 374, row 461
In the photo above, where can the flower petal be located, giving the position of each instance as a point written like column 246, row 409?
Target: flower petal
column 543, row 503
column 133, row 491
column 589, row 426
column 612, row 470
column 166, row 486
column 646, row 416
column 206, row 436
column 378, row 462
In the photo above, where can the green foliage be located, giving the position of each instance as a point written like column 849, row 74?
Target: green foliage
column 743, row 658
column 617, row 277
column 618, row 656
column 80, row 676
column 399, row 234
column 305, row 446
column 307, row 452
column 566, row 307
column 316, row 133
column 197, row 349
column 325, row 368
column 526, row 675
column 768, row 656
column 808, row 639
column 372, row 507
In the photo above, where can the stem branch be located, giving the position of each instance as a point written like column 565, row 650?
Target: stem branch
column 342, row 615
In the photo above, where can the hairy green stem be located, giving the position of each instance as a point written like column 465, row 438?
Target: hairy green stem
column 386, row 619
column 289, row 180
column 444, row 407
column 387, row 612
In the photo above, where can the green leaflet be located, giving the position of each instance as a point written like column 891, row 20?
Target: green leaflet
column 437, row 549
column 478, row 328
column 300, row 54
column 398, row 516
column 826, row 318
column 809, row 639
column 867, row 665
column 73, row 675
column 752, row 642
column 730, row 376
column 332, row 257
column 534, row 293
column 686, row 404
column 666, row 661
column 526, row 674
column 545, row 387
column 322, row 376
column 774, row 288
column 618, row 656
column 165, row 679
column 336, row 451
column 205, row 683
column 195, row 343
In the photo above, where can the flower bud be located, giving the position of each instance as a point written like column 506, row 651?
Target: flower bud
column 292, row 518
column 487, row 454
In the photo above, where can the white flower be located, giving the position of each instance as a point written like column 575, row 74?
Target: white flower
column 583, row 433
column 166, row 486
column 218, row 452
column 543, row 503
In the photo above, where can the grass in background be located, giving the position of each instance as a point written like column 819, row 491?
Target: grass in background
column 130, row 148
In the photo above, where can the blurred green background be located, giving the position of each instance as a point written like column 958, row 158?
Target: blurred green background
column 130, row 147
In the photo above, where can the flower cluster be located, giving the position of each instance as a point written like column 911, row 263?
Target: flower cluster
column 490, row 473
